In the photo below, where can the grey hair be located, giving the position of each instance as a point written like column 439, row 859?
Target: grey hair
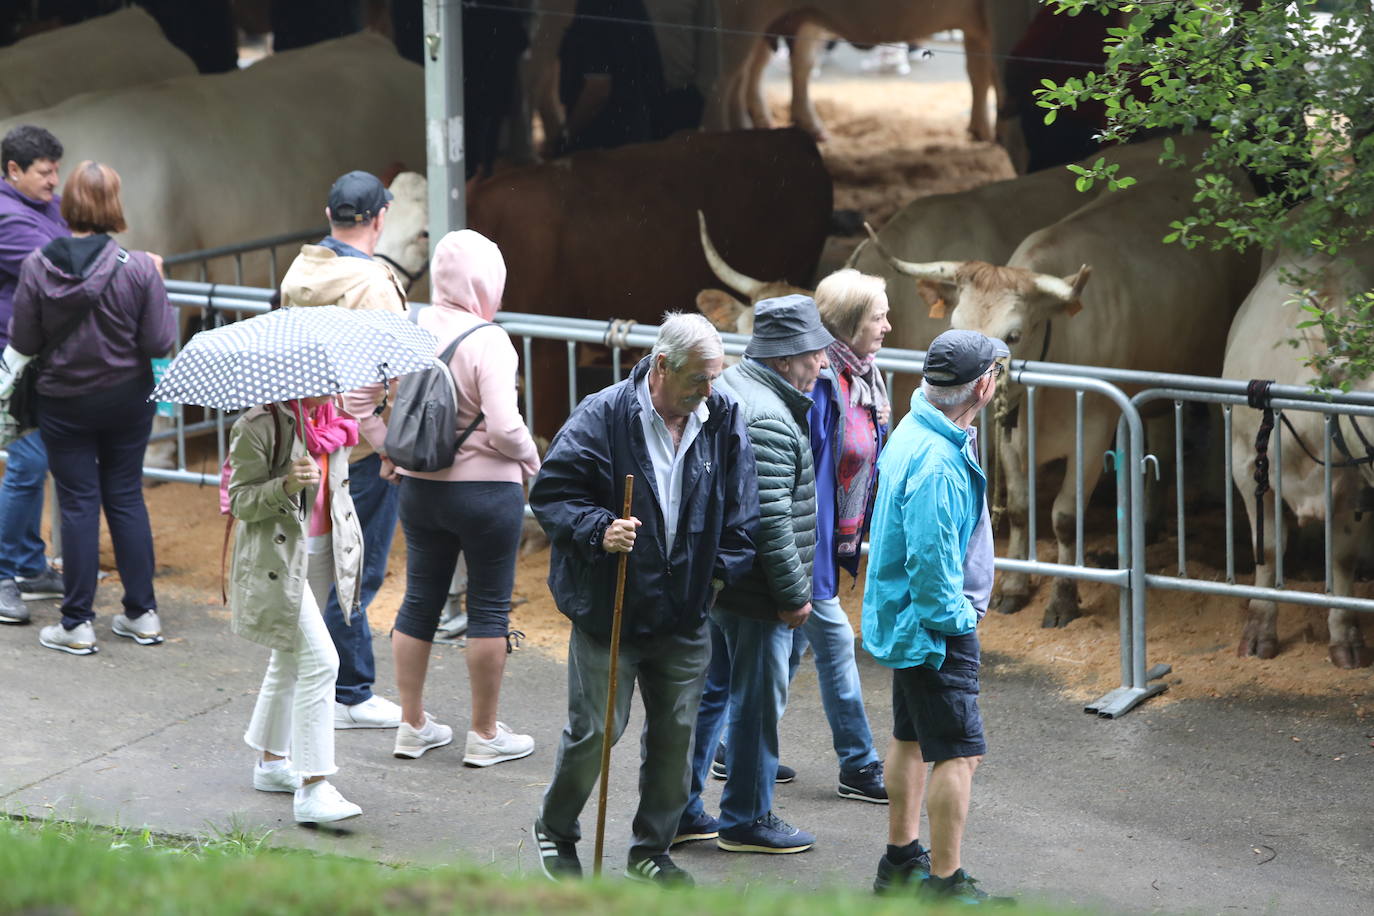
column 683, row 334
column 950, row 397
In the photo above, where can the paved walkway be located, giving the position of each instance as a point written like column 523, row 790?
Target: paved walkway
column 1247, row 806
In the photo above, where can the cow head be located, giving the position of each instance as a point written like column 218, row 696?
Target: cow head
column 723, row 310
column 404, row 243
column 1011, row 303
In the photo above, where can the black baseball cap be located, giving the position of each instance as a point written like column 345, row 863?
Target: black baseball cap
column 357, row 197
column 957, row 357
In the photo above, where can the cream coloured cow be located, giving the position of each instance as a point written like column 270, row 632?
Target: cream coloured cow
column 1154, row 307
column 1258, row 347
column 213, row 160
column 111, row 52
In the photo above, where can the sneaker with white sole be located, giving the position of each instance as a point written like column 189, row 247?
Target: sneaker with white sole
column 145, row 629
column 412, row 742
column 557, row 859
column 507, row 745
column 80, row 640
column 659, row 869
column 47, row 584
column 374, row 712
column 277, row 776
column 12, row 607
column 320, row 803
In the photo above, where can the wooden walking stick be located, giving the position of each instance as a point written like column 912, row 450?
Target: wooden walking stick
column 610, row 692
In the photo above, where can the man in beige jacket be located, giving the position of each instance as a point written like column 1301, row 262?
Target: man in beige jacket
column 340, row 271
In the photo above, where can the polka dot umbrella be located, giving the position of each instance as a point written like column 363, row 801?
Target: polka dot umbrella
column 298, row 352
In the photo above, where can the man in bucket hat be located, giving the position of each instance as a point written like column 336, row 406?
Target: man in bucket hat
column 929, row 580
column 754, row 617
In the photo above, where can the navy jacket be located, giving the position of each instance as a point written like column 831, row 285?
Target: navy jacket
column 580, row 491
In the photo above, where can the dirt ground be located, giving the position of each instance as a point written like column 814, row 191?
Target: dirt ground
column 893, row 143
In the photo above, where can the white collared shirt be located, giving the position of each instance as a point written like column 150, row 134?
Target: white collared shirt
column 667, row 462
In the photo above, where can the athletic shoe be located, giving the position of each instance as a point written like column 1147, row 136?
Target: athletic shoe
column 412, row 742
column 47, row 584
column 80, row 640
column 718, row 771
column 277, row 778
column 659, row 869
column 960, row 887
column 452, row 626
column 558, row 861
column 12, row 607
column 374, row 712
column 893, row 876
column 145, row 629
column 769, row 833
column 864, row 784
column 701, row 827
column 507, row 745
column 320, row 803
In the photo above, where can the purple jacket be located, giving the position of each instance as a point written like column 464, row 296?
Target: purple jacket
column 132, row 320
column 26, row 225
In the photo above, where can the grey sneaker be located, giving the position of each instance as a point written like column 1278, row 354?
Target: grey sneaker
column 47, row 584
column 79, row 640
column 145, row 629
column 12, row 607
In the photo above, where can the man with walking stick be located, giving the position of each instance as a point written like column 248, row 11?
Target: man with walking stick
column 693, row 509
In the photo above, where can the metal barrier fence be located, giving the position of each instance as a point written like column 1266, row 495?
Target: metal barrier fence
column 1129, row 460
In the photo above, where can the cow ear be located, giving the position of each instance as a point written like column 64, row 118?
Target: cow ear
column 721, row 309
column 933, row 294
column 1073, row 307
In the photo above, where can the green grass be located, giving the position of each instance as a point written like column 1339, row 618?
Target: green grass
column 64, row 868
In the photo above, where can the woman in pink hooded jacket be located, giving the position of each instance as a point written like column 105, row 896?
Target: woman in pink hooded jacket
column 474, row 507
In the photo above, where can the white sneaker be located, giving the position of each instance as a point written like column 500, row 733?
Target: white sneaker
column 77, row 641
column 507, row 745
column 411, row 742
column 146, row 630
column 374, row 712
column 279, row 777
column 320, row 803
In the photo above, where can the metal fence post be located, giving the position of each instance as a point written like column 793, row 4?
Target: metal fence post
column 443, row 49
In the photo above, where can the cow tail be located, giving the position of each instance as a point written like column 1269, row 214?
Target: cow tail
column 1257, row 395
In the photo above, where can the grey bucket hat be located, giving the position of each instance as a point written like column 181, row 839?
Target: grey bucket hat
column 787, row 326
column 956, row 357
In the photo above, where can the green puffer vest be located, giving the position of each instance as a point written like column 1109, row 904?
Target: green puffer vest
column 785, row 540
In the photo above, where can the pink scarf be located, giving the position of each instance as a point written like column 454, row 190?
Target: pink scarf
column 326, row 431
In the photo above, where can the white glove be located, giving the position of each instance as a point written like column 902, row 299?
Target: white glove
column 12, row 364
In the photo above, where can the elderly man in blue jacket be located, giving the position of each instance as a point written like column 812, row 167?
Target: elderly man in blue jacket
column 693, row 512
column 929, row 580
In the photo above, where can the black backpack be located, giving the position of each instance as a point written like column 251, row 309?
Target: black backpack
column 422, row 434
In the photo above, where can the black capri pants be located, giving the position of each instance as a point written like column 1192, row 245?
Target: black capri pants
column 481, row 519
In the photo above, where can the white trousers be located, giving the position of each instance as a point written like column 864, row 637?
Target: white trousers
column 294, row 715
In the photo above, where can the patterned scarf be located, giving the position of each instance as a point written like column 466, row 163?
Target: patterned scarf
column 863, row 397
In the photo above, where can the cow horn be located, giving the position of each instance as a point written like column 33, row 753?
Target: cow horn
column 1065, row 290
column 744, row 285
column 934, row 271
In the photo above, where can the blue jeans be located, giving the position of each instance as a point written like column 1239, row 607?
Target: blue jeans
column 831, row 638
column 715, row 697
column 377, row 504
column 759, row 655
column 21, row 509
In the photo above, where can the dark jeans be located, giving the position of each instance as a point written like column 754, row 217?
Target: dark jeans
column 95, row 449
column 376, row 503
column 481, row 520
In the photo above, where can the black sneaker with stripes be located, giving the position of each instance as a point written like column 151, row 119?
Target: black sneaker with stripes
column 658, row 869
column 557, row 860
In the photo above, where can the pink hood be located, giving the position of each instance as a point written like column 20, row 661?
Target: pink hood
column 468, row 273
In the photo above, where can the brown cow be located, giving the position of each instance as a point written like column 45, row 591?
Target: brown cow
column 613, row 233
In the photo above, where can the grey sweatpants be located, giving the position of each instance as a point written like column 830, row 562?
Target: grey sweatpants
column 670, row 672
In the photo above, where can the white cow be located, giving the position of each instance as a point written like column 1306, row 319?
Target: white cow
column 1156, row 307
column 212, row 160
column 122, row 49
column 1258, row 347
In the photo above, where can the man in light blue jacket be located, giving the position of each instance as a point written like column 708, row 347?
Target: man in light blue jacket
column 929, row 580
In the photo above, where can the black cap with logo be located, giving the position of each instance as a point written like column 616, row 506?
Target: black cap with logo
column 357, row 197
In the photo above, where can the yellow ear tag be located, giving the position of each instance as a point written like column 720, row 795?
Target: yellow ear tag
column 1073, row 308
column 937, row 309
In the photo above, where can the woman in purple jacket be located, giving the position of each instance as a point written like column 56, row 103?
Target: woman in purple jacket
column 93, row 389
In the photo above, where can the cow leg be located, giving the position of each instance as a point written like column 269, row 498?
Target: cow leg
column 1063, row 604
column 978, row 63
column 1014, row 586
column 541, row 66
column 755, row 102
column 726, row 110
column 1259, row 636
column 804, row 50
column 1347, row 648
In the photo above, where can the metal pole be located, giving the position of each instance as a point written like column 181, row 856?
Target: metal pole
column 443, row 50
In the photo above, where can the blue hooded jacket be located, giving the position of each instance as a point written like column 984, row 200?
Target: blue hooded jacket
column 930, row 497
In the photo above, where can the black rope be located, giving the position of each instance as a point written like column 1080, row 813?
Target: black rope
column 1257, row 396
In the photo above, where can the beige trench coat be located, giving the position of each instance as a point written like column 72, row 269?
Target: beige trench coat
column 268, row 571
